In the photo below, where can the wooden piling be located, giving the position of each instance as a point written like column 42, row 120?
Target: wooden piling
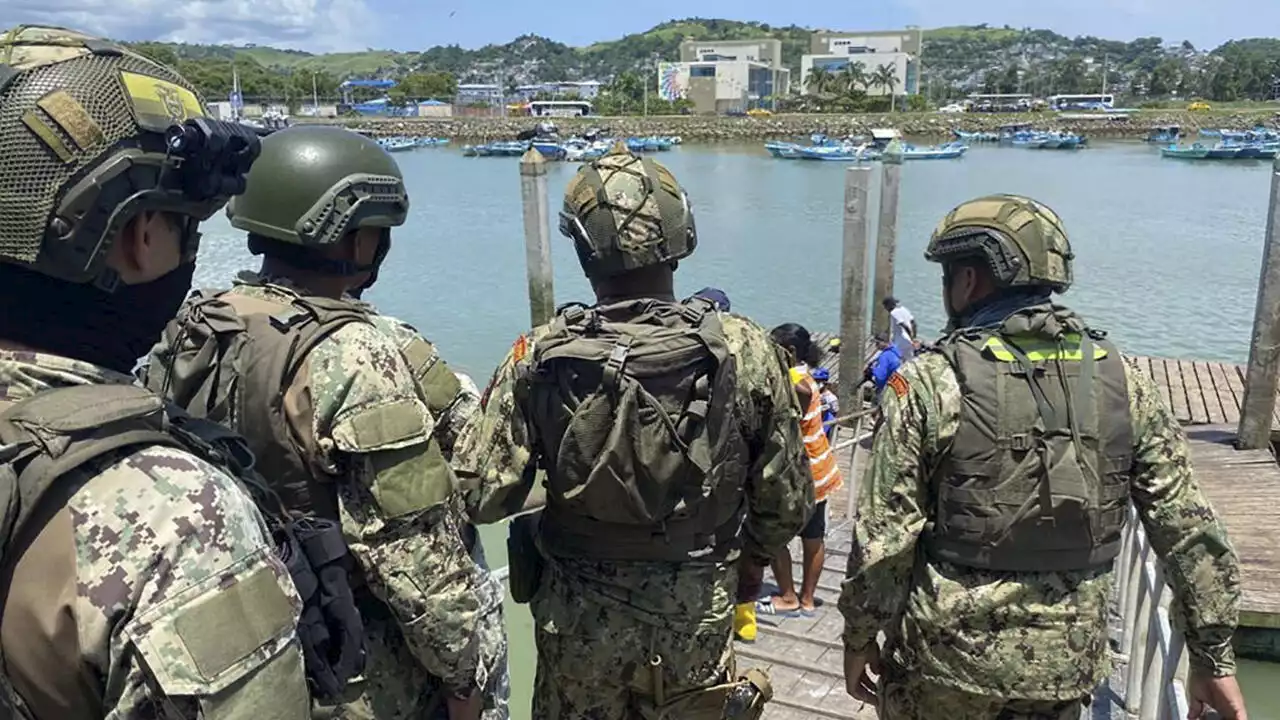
column 886, row 240
column 1254, row 431
column 537, row 237
column 853, row 284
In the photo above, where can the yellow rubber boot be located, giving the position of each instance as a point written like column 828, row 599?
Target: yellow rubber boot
column 744, row 621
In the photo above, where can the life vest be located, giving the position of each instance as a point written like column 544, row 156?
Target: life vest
column 1037, row 476
column 822, row 459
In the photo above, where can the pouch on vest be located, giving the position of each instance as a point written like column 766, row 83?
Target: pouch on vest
column 635, row 404
column 331, row 629
column 1036, row 478
column 524, row 558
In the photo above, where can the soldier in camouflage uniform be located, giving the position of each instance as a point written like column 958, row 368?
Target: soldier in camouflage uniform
column 633, row 617
column 335, row 415
column 997, row 493
column 144, row 582
column 452, row 406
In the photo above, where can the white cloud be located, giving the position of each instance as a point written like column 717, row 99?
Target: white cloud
column 315, row 25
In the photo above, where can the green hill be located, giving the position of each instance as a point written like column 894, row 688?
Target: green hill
column 956, row 60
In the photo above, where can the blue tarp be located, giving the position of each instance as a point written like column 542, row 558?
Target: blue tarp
column 369, row 83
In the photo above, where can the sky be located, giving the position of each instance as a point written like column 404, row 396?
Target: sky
column 352, row 25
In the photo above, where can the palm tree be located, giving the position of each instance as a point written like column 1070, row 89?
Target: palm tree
column 854, row 78
column 885, row 76
column 819, row 80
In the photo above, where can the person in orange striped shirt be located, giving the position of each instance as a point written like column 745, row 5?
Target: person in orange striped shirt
column 795, row 339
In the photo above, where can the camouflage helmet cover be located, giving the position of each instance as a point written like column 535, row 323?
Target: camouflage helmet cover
column 1022, row 240
column 625, row 212
column 314, row 184
column 83, row 126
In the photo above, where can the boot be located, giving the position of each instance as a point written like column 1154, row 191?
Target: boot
column 744, row 621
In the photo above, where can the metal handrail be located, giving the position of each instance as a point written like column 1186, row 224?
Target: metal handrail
column 1154, row 651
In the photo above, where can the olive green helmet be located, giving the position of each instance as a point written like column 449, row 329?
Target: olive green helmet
column 85, row 147
column 625, row 212
column 1021, row 239
column 313, row 184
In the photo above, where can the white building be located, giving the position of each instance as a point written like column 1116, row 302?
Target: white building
column 897, row 49
column 725, row 75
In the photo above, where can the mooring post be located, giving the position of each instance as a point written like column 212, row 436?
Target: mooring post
column 853, row 287
column 886, row 238
column 537, row 236
column 1264, row 349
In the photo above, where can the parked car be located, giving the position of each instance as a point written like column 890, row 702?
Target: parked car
column 952, row 108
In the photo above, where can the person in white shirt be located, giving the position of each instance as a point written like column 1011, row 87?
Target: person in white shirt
column 902, row 328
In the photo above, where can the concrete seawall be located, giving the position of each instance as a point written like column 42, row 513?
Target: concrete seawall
column 729, row 129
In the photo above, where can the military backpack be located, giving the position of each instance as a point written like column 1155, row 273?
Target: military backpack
column 634, row 405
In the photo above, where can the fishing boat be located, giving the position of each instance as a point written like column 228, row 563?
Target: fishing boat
column 1223, row 151
column 948, row 151
column 977, row 136
column 839, row 153
column 580, row 149
column 550, row 149
column 1164, row 134
column 1195, row 152
column 397, row 144
column 432, row 141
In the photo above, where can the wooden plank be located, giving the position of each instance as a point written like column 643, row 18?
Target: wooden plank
column 1195, row 393
column 1227, row 396
column 1217, row 414
column 1161, row 380
column 1177, row 391
column 1244, row 488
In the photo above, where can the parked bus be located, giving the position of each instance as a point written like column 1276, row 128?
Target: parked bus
column 1082, row 102
column 560, row 108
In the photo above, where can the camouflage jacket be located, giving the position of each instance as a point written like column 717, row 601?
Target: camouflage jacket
column 416, row 562
column 123, row 604
column 497, row 448
column 1040, row 636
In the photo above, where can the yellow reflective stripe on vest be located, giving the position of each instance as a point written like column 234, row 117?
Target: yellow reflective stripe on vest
column 1038, row 349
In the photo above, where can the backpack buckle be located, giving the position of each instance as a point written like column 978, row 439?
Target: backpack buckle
column 1020, row 442
column 617, row 360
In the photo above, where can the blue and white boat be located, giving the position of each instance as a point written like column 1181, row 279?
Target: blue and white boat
column 949, row 151
column 397, row 144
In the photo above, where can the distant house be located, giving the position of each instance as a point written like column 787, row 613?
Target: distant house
column 469, row 94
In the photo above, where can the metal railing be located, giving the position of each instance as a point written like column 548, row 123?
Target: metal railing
column 1153, row 652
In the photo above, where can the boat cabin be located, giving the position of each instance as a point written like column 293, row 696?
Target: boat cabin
column 881, row 137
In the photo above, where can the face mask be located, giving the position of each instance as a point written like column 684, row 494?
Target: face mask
column 112, row 330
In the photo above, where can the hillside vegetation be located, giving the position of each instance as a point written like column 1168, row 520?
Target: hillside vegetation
column 957, row 60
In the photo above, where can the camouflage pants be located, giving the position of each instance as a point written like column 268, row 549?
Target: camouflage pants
column 395, row 687
column 905, row 696
column 493, row 641
column 597, row 672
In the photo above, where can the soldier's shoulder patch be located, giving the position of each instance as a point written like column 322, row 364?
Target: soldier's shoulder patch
column 520, row 348
column 899, row 384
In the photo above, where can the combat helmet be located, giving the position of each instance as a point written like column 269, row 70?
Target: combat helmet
column 91, row 134
column 314, row 184
column 1022, row 240
column 625, row 212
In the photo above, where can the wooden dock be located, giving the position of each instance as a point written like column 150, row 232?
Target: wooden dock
column 1242, row 485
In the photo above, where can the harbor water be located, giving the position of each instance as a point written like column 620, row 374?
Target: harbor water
column 1167, row 260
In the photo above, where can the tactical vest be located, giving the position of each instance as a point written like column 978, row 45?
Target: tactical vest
column 231, row 358
column 1037, row 476
column 635, row 409
column 45, row 438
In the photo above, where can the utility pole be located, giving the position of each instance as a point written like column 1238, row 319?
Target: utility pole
column 1104, row 73
column 315, row 96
